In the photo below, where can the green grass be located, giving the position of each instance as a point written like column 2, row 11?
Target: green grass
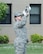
column 35, row 48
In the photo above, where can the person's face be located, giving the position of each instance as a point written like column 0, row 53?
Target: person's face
column 18, row 18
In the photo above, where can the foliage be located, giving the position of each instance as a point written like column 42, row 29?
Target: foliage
column 1, row 39
column 4, row 39
column 36, row 38
column 3, row 9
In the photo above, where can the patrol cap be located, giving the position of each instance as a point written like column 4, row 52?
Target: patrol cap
column 18, row 14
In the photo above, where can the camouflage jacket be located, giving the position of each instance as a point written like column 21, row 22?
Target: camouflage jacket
column 20, row 29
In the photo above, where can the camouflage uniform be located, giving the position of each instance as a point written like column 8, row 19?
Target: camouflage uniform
column 21, row 36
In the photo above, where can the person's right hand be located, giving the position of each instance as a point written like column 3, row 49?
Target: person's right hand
column 27, row 40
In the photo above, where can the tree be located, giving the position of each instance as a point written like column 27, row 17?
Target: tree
column 3, row 10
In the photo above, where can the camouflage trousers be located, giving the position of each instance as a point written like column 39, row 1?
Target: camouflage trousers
column 20, row 46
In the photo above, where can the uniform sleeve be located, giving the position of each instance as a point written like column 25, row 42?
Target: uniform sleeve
column 22, row 22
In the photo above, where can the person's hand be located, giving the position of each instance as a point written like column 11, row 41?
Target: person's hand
column 27, row 40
